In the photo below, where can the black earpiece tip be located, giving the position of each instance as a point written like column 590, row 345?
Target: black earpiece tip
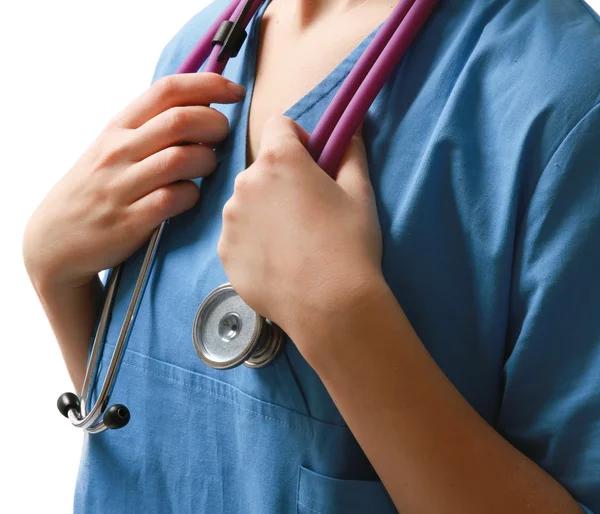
column 117, row 416
column 66, row 402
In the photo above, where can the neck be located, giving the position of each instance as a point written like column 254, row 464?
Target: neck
column 306, row 13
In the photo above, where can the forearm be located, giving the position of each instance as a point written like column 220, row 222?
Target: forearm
column 433, row 452
column 71, row 311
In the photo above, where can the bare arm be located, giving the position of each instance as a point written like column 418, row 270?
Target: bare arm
column 134, row 176
column 71, row 312
column 322, row 283
column 431, row 449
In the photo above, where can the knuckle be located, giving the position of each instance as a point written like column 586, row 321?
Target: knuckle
column 163, row 200
column 229, row 212
column 176, row 120
column 107, row 209
column 222, row 249
column 113, row 155
column 110, row 190
column 102, row 196
column 272, row 156
column 211, row 81
column 171, row 159
column 166, row 87
column 285, row 150
column 107, row 156
column 132, row 224
column 241, row 183
column 112, row 150
column 115, row 122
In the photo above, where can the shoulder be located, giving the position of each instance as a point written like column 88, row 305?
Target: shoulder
column 184, row 40
column 554, row 48
column 562, row 41
column 526, row 72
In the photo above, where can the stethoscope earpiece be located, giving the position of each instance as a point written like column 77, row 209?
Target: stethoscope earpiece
column 115, row 417
column 67, row 402
column 227, row 332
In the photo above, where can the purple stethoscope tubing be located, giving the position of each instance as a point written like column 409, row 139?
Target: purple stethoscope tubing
column 205, row 49
column 326, row 145
column 343, row 116
column 350, row 105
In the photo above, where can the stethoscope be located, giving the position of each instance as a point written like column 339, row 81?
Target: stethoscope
column 226, row 331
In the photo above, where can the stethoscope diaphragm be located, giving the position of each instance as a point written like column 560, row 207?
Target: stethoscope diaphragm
column 227, row 332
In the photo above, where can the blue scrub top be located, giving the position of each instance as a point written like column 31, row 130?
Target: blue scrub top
column 483, row 150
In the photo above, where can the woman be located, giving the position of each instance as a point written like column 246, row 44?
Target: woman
column 441, row 295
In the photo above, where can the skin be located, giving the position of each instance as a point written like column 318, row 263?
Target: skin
column 134, row 176
column 291, row 34
column 433, row 452
column 322, row 283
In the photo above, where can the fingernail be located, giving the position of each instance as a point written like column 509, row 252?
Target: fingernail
column 237, row 89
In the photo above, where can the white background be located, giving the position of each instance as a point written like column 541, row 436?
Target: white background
column 66, row 67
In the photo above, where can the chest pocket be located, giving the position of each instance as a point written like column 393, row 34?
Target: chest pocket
column 319, row 494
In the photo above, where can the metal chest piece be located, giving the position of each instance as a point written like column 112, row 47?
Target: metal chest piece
column 227, row 332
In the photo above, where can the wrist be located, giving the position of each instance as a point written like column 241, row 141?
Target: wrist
column 49, row 273
column 49, row 286
column 324, row 326
column 48, row 279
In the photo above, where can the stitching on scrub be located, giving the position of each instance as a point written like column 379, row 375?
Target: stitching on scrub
column 310, row 418
column 307, row 507
column 225, row 398
column 323, row 95
column 298, row 489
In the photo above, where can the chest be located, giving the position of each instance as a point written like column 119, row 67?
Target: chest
column 291, row 61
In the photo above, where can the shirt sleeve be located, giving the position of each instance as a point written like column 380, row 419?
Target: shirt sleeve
column 551, row 401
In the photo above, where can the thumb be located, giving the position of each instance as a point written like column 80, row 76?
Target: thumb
column 281, row 130
column 353, row 173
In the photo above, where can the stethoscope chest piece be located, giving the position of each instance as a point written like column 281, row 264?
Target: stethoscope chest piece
column 227, row 332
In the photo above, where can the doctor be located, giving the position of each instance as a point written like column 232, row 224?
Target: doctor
column 441, row 295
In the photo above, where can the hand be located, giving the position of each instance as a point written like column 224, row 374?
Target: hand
column 297, row 245
column 134, row 176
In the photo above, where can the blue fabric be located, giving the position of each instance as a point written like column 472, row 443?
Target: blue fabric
column 483, row 152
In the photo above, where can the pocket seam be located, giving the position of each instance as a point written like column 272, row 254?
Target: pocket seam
column 308, row 508
column 132, row 354
column 319, row 494
column 217, row 395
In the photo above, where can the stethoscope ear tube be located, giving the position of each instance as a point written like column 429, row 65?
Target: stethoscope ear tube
column 116, row 416
column 226, row 331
